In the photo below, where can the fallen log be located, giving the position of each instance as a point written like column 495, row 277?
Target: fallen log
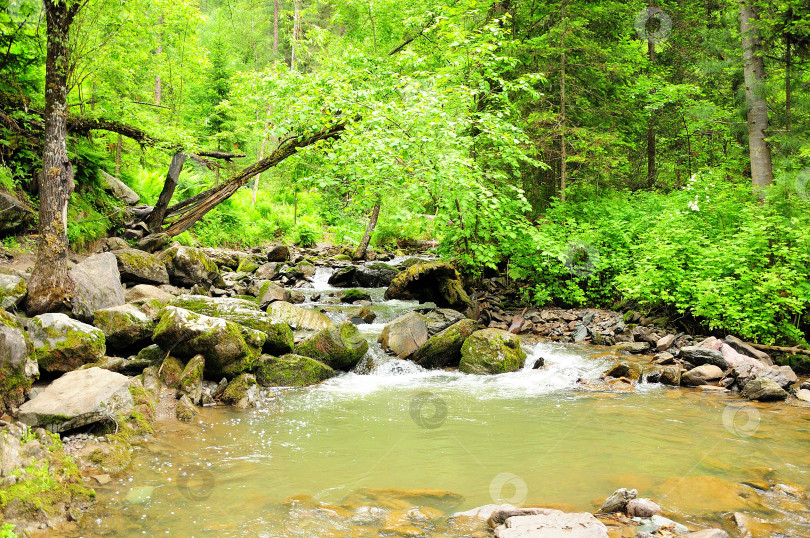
column 193, row 209
column 778, row 349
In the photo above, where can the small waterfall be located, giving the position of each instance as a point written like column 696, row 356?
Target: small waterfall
column 320, row 280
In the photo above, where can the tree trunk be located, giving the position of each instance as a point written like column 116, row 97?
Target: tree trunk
column 49, row 287
column 754, row 69
column 296, row 30
column 155, row 219
column 563, row 156
column 261, row 154
column 275, row 29
column 372, row 222
column 788, row 92
column 651, row 150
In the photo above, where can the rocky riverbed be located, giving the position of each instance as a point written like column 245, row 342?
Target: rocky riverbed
column 162, row 332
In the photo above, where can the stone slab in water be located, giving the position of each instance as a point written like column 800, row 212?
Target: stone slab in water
column 552, row 524
column 78, row 398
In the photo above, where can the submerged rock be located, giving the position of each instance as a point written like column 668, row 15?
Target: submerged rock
column 290, row 371
column 551, row 523
column 62, row 344
column 229, row 348
column 339, row 346
column 617, row 501
column 491, row 351
column 444, row 349
column 79, row 398
column 404, row 335
column 436, row 282
column 97, row 285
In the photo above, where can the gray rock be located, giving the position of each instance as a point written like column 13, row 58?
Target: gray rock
column 79, row 398
column 270, row 292
column 97, row 285
column 803, row 395
column 302, row 319
column 119, row 189
column 188, row 266
column 14, row 215
column 702, row 375
column 633, row 347
column 229, row 348
column 123, row 326
column 18, row 370
column 375, row 275
column 580, row 333
column 267, row 271
column 404, row 335
column 708, row 533
column 138, row 266
column 781, row 375
column 62, row 344
column 763, row 390
column 278, row 253
column 225, row 259
column 746, row 349
column 671, row 375
column 155, row 242
column 439, row 319
column 13, row 289
column 617, row 501
column 147, row 292
column 552, row 524
column 665, row 342
column 642, row 508
column 700, row 355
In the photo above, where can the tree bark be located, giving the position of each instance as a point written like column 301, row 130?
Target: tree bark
column 296, row 30
column 49, row 288
column 754, row 69
column 563, row 156
column 651, row 149
column 118, row 156
column 372, row 222
column 275, row 29
column 191, row 210
column 155, row 219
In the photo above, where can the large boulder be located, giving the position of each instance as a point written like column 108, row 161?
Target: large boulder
column 97, row 285
column 403, row 336
column 79, row 398
column 343, row 277
column 491, row 351
column 279, row 336
column 278, row 253
column 14, row 215
column 62, row 344
column 153, row 243
column 439, row 319
column 339, row 346
column 704, row 374
column 139, row 266
column 444, row 349
column 437, row 282
column 746, row 349
column 188, row 266
column 228, row 348
column 290, row 371
column 18, row 370
column 549, row 523
column 784, row 376
column 300, row 319
column 119, row 189
column 124, row 326
column 142, row 292
column 375, row 275
column 225, row 259
column 12, row 291
column 699, row 356
column 763, row 390
column 270, row 292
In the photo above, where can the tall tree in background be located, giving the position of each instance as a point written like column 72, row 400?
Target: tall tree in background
column 49, row 287
column 754, row 68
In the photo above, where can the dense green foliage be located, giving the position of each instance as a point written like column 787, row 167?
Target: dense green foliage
column 458, row 115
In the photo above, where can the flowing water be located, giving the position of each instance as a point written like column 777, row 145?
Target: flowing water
column 556, row 437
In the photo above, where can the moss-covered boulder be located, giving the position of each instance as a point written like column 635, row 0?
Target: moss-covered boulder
column 245, row 312
column 306, row 268
column 238, row 391
column 491, row 351
column 62, row 344
column 444, row 349
column 250, row 263
column 224, row 258
column 191, row 378
column 185, row 411
column 188, row 266
column 376, row 275
column 290, row 371
column 124, row 326
column 352, row 295
column 339, row 346
column 229, row 348
column 97, row 285
column 299, row 319
column 404, row 335
column 18, row 369
column 141, row 292
column 763, row 390
column 170, row 371
column 13, row 289
column 141, row 267
column 278, row 253
column 437, row 282
column 270, row 292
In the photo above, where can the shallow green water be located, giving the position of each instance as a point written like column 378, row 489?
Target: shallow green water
column 531, row 437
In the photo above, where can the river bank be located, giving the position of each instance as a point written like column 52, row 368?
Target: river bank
column 384, row 396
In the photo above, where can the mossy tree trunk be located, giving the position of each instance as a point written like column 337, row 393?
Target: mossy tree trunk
column 49, row 287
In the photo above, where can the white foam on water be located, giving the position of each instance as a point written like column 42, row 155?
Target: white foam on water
column 320, row 280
